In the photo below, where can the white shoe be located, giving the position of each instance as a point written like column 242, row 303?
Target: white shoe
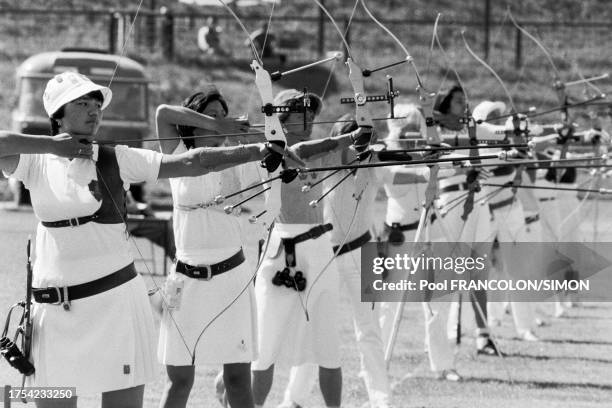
column 450, row 375
column 529, row 336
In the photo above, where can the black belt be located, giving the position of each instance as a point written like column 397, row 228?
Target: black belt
column 454, row 187
column 206, row 272
column 71, row 222
column 501, row 204
column 547, row 199
column 63, row 295
column 502, row 171
column 290, row 243
column 354, row 244
column 532, row 218
column 313, row 233
column 405, row 227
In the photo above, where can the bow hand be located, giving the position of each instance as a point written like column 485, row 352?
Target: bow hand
column 361, row 138
column 273, row 155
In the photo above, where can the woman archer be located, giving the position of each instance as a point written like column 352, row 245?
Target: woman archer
column 93, row 327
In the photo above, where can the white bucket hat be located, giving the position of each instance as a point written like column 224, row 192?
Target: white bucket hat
column 68, row 86
column 486, row 108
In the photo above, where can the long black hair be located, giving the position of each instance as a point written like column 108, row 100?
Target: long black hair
column 198, row 102
column 55, row 126
column 443, row 99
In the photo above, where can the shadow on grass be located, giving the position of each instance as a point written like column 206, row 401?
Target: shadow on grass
column 563, row 341
column 547, row 358
column 586, row 317
column 550, row 385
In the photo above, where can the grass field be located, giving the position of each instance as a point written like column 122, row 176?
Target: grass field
column 570, row 367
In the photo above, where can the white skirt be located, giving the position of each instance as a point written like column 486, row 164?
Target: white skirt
column 225, row 336
column 103, row 343
column 285, row 335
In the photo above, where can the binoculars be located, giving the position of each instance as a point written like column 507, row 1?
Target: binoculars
column 15, row 357
column 284, row 278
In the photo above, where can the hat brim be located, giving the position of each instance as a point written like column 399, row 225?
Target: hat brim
column 81, row 90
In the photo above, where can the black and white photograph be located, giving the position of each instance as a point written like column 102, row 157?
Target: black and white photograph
column 305, row 203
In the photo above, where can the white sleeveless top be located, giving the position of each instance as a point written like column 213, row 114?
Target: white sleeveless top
column 203, row 232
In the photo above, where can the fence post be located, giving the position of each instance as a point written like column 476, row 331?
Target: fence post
column 518, row 50
column 113, row 27
column 167, row 33
column 150, row 26
column 487, row 28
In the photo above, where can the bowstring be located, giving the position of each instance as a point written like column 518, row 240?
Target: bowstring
column 130, row 236
column 270, row 229
column 158, row 289
column 125, row 43
column 263, row 47
column 333, row 67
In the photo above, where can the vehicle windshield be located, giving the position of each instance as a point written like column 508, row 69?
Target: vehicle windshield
column 128, row 103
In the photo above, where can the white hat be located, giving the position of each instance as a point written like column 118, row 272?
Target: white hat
column 68, row 86
column 486, row 108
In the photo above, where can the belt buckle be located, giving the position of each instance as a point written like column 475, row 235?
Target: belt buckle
column 196, row 272
column 76, row 222
column 58, row 291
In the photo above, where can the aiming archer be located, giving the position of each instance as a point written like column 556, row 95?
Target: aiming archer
column 83, row 262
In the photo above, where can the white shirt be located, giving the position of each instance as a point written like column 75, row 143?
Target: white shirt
column 339, row 205
column 204, row 234
column 72, row 255
column 405, row 201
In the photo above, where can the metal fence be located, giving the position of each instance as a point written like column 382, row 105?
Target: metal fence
column 156, row 35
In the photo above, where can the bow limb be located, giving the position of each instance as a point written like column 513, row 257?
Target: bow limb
column 408, row 57
column 491, row 70
column 557, row 74
column 424, row 95
column 273, row 130
column 274, row 133
column 248, row 35
column 561, row 93
column 515, row 117
column 362, row 113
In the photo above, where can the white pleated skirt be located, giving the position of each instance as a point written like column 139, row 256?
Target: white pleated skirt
column 285, row 335
column 216, row 321
column 103, row 343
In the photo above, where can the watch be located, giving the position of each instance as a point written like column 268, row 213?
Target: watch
column 429, row 121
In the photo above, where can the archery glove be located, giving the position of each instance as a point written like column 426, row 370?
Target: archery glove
column 361, row 138
column 288, row 175
column 273, row 158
